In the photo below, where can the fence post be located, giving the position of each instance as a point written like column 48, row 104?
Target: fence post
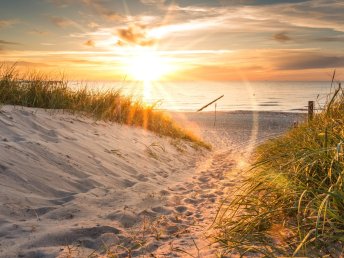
column 215, row 114
column 310, row 110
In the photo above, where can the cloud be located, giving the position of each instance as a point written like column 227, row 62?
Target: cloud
column 339, row 38
column 61, row 3
column 83, row 61
column 47, row 44
column 90, row 43
column 7, row 23
column 39, row 32
column 313, row 62
column 259, row 2
column 152, row 2
column 281, row 37
column 62, row 22
column 136, row 35
column 308, row 60
column 319, row 14
column 99, row 7
column 4, row 42
column 27, row 64
column 93, row 25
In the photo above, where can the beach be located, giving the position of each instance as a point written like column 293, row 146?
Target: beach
column 156, row 128
column 74, row 186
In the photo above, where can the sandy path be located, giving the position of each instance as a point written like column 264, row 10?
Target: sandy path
column 234, row 138
column 200, row 199
column 182, row 228
column 191, row 206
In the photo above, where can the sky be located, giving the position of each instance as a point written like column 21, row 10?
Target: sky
column 175, row 40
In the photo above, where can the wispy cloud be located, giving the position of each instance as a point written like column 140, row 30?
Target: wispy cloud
column 93, row 25
column 152, row 2
column 338, row 38
column 39, row 32
column 100, row 32
column 62, row 22
column 322, row 14
column 47, row 44
column 325, row 14
column 302, row 61
column 101, row 8
column 4, row 42
column 28, row 64
column 7, row 23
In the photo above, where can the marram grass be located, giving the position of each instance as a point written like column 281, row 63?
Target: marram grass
column 35, row 89
column 292, row 203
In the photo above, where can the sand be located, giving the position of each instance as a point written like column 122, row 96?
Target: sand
column 73, row 186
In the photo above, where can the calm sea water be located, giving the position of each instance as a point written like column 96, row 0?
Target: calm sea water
column 190, row 96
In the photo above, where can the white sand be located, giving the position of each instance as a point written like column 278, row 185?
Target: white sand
column 73, row 186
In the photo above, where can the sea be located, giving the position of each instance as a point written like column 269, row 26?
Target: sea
column 281, row 96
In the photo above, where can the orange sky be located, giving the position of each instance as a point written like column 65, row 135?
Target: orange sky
column 175, row 40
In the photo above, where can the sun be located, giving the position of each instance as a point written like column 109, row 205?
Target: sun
column 147, row 65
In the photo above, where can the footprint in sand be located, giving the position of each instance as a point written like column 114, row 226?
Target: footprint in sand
column 127, row 183
column 63, row 213
column 161, row 210
column 192, row 201
column 3, row 168
column 141, row 178
column 188, row 213
column 164, row 193
column 181, row 209
column 125, row 218
column 63, row 200
column 172, row 229
column 203, row 179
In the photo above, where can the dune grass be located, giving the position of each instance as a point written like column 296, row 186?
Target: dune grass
column 35, row 89
column 292, row 203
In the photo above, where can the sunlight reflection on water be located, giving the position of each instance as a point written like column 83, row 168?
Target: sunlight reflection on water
column 190, row 96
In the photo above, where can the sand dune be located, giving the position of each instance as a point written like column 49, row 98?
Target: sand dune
column 66, row 179
column 72, row 186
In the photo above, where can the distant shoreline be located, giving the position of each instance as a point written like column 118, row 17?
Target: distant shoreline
column 296, row 111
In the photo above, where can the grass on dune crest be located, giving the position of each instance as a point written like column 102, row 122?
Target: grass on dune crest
column 35, row 89
column 292, row 203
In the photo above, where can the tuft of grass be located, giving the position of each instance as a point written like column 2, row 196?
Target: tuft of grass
column 37, row 90
column 292, row 202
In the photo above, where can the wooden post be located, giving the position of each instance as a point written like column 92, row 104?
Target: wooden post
column 310, row 110
column 210, row 103
column 215, row 114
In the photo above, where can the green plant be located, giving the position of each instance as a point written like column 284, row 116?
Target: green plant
column 293, row 200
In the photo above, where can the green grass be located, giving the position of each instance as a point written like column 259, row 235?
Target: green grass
column 292, row 202
column 35, row 89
